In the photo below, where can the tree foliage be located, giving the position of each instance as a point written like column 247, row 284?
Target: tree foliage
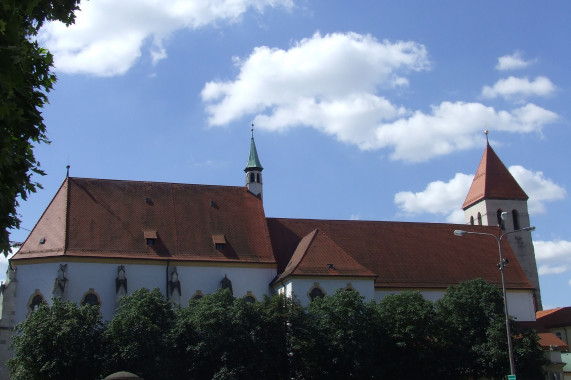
column 25, row 80
column 222, row 337
column 58, row 342
column 138, row 336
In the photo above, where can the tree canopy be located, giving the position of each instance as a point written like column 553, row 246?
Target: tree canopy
column 221, row 337
column 25, row 79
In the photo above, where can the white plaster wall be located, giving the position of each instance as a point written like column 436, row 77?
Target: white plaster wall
column 520, row 303
column 300, row 287
column 488, row 208
column 101, row 277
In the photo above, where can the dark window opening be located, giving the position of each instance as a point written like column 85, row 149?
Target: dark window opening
column 36, row 301
column 499, row 217
column 316, row 293
column 515, row 217
column 150, row 242
column 479, row 219
column 90, row 299
column 472, row 220
column 219, row 246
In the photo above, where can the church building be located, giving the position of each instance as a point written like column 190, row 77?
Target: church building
column 99, row 240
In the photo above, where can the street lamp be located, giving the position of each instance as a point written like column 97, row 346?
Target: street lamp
column 502, row 264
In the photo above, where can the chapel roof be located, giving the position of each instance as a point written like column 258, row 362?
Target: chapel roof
column 493, row 181
column 318, row 255
column 553, row 318
column 402, row 255
column 113, row 219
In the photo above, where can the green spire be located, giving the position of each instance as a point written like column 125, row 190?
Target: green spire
column 253, row 160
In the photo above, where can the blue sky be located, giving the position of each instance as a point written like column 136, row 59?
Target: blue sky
column 371, row 110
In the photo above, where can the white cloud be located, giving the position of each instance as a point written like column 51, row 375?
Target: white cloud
column 513, row 87
column 333, row 84
column 512, row 62
column 324, row 81
column 553, row 257
column 446, row 198
column 108, row 36
column 538, row 188
column 441, row 198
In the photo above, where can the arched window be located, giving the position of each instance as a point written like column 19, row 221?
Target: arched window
column 499, row 217
column 252, row 177
column 316, row 293
column 479, row 219
column 198, row 295
column 91, row 298
column 472, row 220
column 515, row 217
column 37, row 300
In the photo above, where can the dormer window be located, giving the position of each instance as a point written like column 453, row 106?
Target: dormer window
column 219, row 241
column 150, row 237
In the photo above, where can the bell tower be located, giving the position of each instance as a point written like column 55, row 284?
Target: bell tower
column 254, row 170
column 495, row 191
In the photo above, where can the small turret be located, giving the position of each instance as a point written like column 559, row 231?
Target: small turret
column 254, row 170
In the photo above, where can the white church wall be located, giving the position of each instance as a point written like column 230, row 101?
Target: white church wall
column 100, row 277
column 300, row 287
column 520, row 303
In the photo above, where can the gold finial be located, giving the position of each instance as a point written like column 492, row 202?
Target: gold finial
column 487, row 141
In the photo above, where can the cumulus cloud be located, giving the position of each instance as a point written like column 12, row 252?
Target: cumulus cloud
column 333, row 83
column 441, row 198
column 446, row 198
column 513, row 87
column 108, row 36
column 512, row 62
column 553, row 257
column 538, row 188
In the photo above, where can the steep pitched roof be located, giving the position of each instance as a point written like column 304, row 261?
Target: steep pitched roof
column 112, row 219
column 318, row 255
column 493, row 181
column 253, row 160
column 553, row 318
column 404, row 255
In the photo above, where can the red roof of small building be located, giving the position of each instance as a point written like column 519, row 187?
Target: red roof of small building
column 553, row 318
column 403, row 255
column 318, row 255
column 114, row 219
column 547, row 339
column 493, row 181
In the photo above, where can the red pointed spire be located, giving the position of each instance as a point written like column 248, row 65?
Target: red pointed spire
column 493, row 181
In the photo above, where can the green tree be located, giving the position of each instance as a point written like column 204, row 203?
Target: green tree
column 411, row 323
column 474, row 333
column 58, row 342
column 469, row 312
column 346, row 338
column 25, row 80
column 138, row 337
column 215, row 338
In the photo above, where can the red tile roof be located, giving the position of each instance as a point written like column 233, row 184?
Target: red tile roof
column 112, row 219
column 318, row 255
column 547, row 340
column 404, row 255
column 553, row 318
column 493, row 181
